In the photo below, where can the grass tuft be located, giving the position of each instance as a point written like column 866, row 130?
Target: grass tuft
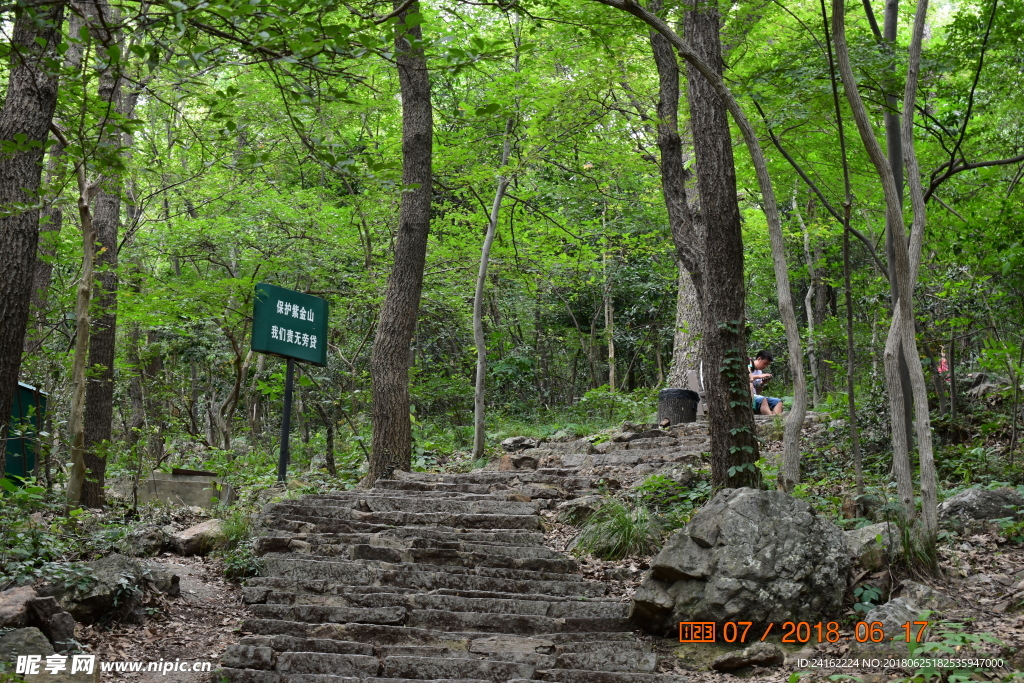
column 615, row 532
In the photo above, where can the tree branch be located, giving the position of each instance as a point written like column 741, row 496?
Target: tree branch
column 959, row 167
column 814, row 187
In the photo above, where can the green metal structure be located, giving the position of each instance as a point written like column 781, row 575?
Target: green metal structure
column 27, row 412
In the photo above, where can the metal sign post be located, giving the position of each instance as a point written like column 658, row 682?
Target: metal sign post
column 291, row 325
column 286, row 422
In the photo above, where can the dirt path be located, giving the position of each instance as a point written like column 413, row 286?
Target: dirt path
column 194, row 627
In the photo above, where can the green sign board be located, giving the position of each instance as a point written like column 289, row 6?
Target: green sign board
column 289, row 324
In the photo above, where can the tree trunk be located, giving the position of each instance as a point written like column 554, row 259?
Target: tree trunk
column 135, row 392
column 732, row 436
column 809, row 306
column 731, row 420
column 858, row 467
column 389, row 362
column 99, row 394
column 255, row 407
column 952, row 378
column 479, row 406
column 51, row 216
column 685, row 346
column 687, row 237
column 894, row 231
column 926, row 459
column 905, row 264
column 609, row 325
column 76, row 426
column 27, row 110
column 329, row 428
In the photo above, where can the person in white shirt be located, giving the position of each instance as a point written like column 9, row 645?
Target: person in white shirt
column 766, row 405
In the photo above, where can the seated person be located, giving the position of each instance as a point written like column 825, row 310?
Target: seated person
column 766, row 405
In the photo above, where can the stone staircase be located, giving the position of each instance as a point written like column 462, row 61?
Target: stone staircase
column 445, row 577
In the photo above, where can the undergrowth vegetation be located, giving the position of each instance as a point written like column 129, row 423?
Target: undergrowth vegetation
column 637, row 522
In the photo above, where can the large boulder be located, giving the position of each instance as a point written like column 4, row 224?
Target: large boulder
column 54, row 621
column 758, row 654
column 146, row 541
column 518, row 443
column 978, row 505
column 23, row 641
column 750, row 555
column 114, row 591
column 892, row 616
column 199, row 539
column 874, row 545
column 14, row 606
column 926, row 597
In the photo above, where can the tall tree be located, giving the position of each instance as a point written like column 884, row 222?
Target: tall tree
column 733, row 441
column 479, row 340
column 906, row 261
column 894, row 233
column 733, row 444
column 389, row 362
column 687, row 236
column 104, row 22
column 24, row 121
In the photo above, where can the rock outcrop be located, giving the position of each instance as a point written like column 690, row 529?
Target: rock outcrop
column 14, row 606
column 751, row 555
column 875, row 545
column 978, row 505
column 199, row 539
column 117, row 583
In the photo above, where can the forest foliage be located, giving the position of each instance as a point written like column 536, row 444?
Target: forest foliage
column 265, row 145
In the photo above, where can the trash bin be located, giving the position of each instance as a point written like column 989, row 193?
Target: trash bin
column 677, row 405
column 27, row 411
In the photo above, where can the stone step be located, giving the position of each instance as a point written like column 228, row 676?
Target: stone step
column 379, row 492
column 587, row 676
column 279, row 591
column 579, row 445
column 378, row 635
column 558, row 478
column 608, row 660
column 440, row 577
column 414, row 680
column 511, row 623
column 342, row 507
column 397, row 518
column 593, row 654
column 322, row 614
column 494, row 490
column 430, row 486
column 533, row 658
column 472, row 618
column 293, row 644
column 289, row 663
column 277, row 562
column 330, row 544
column 626, row 458
column 522, row 537
column 431, row 577
column 444, row 668
column 672, row 454
column 536, row 605
column 446, row 557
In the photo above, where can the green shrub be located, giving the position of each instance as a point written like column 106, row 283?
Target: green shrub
column 663, row 494
column 237, row 553
column 241, row 562
column 616, row 531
